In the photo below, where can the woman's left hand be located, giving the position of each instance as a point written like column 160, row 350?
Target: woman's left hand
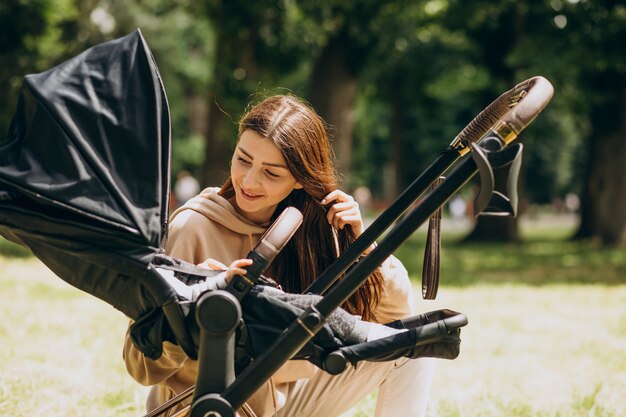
column 344, row 211
column 235, row 268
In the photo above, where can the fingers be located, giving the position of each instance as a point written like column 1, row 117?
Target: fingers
column 240, row 263
column 211, row 263
column 237, row 268
column 344, row 211
column 342, row 214
column 334, row 195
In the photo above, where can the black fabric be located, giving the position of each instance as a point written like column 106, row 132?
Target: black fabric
column 344, row 325
column 84, row 172
column 435, row 334
column 149, row 332
column 405, row 344
column 266, row 316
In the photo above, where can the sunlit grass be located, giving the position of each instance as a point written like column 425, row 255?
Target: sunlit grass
column 546, row 255
column 61, row 349
column 552, row 351
column 546, row 338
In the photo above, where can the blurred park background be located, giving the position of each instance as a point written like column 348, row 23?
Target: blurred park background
column 396, row 81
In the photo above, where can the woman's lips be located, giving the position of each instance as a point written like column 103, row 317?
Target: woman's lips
column 249, row 196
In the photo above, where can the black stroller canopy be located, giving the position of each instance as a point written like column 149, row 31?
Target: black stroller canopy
column 105, row 102
column 92, row 216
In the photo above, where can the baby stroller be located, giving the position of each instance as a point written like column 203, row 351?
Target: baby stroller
column 71, row 191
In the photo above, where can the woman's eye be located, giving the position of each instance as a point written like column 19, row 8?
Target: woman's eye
column 243, row 161
column 272, row 175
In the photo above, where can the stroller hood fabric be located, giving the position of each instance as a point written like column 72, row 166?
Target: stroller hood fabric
column 84, row 170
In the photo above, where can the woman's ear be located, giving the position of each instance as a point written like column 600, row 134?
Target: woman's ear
column 298, row 186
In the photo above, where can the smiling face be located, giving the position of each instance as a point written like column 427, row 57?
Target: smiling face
column 261, row 179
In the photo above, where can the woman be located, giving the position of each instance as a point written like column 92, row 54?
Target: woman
column 283, row 159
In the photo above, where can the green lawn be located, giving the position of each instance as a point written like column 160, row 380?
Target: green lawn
column 61, row 349
column 547, row 334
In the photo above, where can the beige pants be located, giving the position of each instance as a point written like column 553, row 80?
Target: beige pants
column 404, row 388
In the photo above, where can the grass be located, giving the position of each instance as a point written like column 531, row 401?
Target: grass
column 61, row 348
column 545, row 256
column 547, row 334
column 552, row 351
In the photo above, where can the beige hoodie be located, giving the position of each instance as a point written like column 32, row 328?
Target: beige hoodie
column 207, row 226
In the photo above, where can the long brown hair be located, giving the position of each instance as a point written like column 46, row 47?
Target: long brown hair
column 300, row 134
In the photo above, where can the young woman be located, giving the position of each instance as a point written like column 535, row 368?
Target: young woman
column 283, row 158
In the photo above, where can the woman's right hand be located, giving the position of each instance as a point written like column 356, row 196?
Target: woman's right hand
column 344, row 212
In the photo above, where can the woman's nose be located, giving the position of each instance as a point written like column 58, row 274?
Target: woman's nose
column 251, row 178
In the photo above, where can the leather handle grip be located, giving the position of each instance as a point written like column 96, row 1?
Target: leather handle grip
column 509, row 114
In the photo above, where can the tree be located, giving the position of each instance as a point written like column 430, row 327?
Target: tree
column 495, row 29
column 344, row 41
column 247, row 58
column 182, row 42
column 29, row 42
column 590, row 97
column 38, row 34
column 420, row 73
column 334, row 85
column 597, row 31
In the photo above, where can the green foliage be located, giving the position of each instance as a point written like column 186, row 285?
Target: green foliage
column 187, row 154
column 426, row 68
column 30, row 36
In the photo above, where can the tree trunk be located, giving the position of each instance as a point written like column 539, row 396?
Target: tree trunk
column 236, row 69
column 333, row 92
column 198, row 113
column 216, row 148
column 603, row 202
column 397, row 132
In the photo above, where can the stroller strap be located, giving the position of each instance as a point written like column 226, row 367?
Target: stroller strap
column 432, row 252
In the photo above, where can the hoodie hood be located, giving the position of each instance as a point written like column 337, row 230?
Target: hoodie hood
column 216, row 208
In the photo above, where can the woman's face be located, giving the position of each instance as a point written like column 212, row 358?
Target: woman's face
column 260, row 177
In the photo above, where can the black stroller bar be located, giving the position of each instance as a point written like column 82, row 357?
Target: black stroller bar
column 499, row 123
column 508, row 115
column 431, row 328
column 383, row 222
column 300, row 332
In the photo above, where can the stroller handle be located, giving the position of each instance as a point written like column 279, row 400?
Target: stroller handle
column 278, row 234
column 452, row 319
column 456, row 321
column 507, row 115
column 441, row 326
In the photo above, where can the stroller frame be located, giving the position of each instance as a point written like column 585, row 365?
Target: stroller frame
column 31, row 218
column 222, row 396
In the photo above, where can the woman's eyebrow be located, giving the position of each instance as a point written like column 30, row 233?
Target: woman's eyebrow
column 246, row 153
